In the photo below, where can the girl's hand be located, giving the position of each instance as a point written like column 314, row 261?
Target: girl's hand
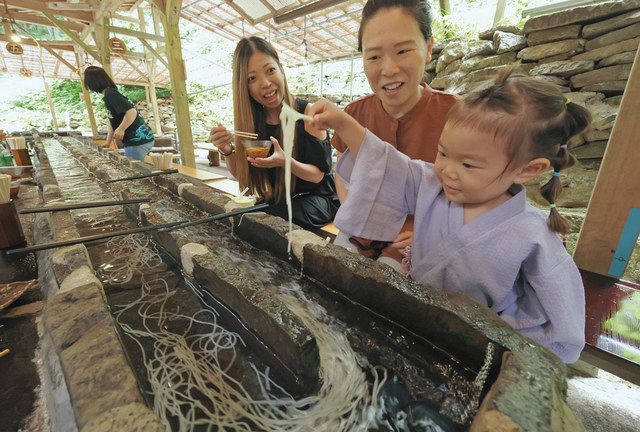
column 273, row 161
column 403, row 240
column 221, row 138
column 326, row 115
column 118, row 134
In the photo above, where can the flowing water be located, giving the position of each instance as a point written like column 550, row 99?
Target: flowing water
column 395, row 379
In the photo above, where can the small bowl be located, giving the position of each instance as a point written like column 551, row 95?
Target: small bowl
column 257, row 148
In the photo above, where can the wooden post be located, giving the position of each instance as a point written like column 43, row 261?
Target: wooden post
column 445, row 7
column 86, row 95
column 151, row 73
column 177, row 73
column 500, row 6
column 612, row 223
column 101, row 35
column 52, row 108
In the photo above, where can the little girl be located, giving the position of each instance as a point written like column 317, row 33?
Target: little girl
column 475, row 233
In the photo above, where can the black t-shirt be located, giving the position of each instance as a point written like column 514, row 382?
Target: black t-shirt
column 309, row 150
column 117, row 105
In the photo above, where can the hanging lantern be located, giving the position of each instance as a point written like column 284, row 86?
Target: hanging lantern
column 14, row 48
column 26, row 72
column 117, row 46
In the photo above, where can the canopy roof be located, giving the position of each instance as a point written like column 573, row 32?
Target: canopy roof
column 301, row 30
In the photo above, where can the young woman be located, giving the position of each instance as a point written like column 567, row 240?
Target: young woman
column 125, row 123
column 475, row 233
column 259, row 90
column 395, row 40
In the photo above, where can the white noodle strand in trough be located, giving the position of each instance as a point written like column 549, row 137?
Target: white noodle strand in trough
column 188, row 373
column 288, row 119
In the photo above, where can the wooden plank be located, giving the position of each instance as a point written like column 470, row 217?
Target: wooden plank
column 178, row 80
column 229, row 186
column 617, row 188
column 202, row 175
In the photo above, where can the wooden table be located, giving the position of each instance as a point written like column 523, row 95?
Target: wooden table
column 202, row 175
column 225, row 185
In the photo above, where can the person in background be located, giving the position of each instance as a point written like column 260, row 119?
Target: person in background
column 259, row 90
column 396, row 40
column 475, row 232
column 125, row 123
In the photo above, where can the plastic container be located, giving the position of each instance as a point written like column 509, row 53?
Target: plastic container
column 257, row 148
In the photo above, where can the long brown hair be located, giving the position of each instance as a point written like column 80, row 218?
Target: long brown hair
column 249, row 115
column 533, row 119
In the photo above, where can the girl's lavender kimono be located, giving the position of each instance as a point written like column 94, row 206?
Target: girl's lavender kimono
column 507, row 259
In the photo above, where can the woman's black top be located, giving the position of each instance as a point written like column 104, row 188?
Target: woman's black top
column 117, row 105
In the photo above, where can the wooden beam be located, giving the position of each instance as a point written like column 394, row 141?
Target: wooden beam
column 86, row 96
column 36, row 19
column 61, row 59
column 37, row 6
column 135, row 33
column 170, row 21
column 155, row 53
column 120, row 17
column 609, row 219
column 73, row 36
column 66, row 47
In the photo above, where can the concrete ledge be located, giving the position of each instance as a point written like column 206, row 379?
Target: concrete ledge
column 134, row 417
column 97, row 374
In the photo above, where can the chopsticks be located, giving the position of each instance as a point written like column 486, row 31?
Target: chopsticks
column 241, row 134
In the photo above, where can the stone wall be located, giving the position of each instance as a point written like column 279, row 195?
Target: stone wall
column 588, row 51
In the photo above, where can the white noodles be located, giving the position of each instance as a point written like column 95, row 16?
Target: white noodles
column 188, row 371
column 288, row 119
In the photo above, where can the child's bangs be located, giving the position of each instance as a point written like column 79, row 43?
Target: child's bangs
column 508, row 131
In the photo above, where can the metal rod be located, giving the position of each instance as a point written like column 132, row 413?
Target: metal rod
column 95, row 237
column 76, row 206
column 153, row 174
column 219, row 216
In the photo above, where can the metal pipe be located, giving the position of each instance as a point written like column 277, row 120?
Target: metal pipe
column 53, row 245
column 76, row 206
column 153, row 174
column 220, row 216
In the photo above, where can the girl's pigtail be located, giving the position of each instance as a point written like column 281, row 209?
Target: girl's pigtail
column 577, row 119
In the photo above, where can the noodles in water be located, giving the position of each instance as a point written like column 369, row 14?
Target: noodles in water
column 189, row 370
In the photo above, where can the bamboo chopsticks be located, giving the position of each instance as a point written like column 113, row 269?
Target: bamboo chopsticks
column 241, row 134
